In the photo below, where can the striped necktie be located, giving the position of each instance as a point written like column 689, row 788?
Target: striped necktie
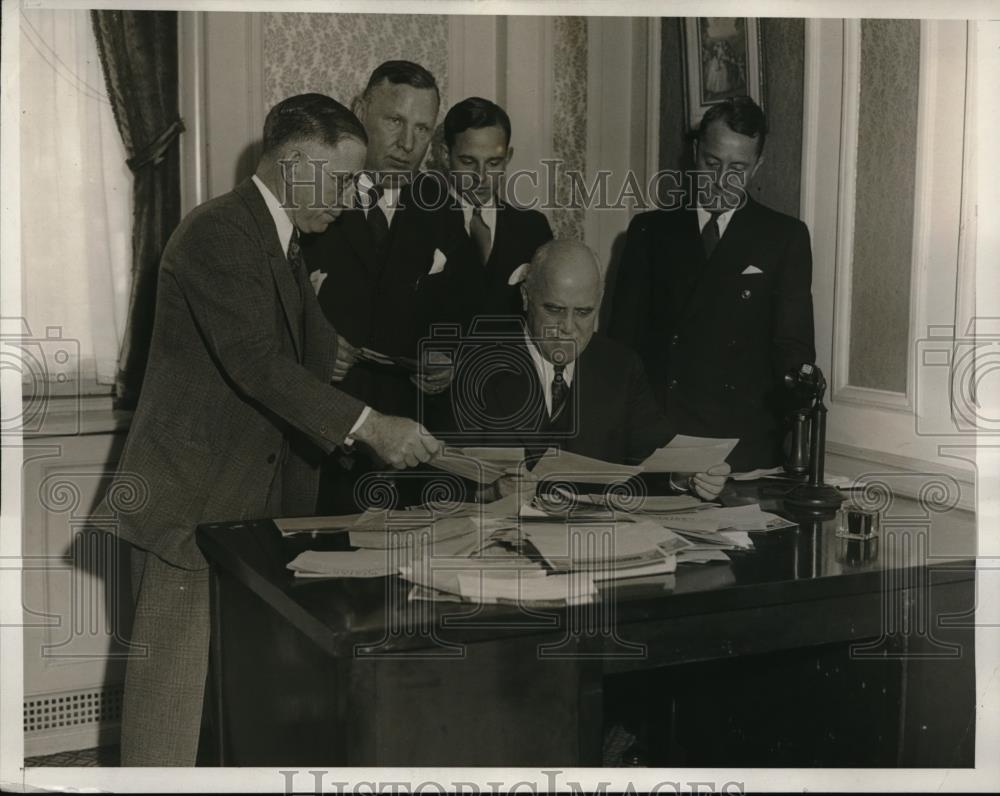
column 560, row 389
column 480, row 234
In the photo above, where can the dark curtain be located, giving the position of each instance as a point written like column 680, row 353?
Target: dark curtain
column 138, row 51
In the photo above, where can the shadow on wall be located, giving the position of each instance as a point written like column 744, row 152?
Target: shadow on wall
column 610, row 280
column 246, row 163
column 95, row 607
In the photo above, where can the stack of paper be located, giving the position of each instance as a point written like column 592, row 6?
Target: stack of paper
column 371, row 520
column 345, row 564
column 491, row 578
column 449, row 536
column 573, row 588
column 616, row 548
column 573, row 467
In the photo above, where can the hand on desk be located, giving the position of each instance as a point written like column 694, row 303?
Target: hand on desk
column 398, row 441
column 709, row 484
column 347, row 355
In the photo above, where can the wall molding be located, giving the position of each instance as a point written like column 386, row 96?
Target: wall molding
column 923, row 196
column 191, row 96
column 846, row 192
column 654, row 45
column 842, row 390
column 529, row 47
column 475, row 57
column 811, row 104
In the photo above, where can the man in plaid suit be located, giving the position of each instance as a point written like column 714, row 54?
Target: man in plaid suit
column 237, row 408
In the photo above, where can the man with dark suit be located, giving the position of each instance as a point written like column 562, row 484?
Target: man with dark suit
column 391, row 267
column 477, row 137
column 715, row 295
column 387, row 265
column 237, row 408
column 553, row 382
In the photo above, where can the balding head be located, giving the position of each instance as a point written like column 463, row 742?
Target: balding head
column 562, row 293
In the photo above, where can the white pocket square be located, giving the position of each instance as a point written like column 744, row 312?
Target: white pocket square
column 519, row 274
column 439, row 261
column 751, row 269
column 317, row 278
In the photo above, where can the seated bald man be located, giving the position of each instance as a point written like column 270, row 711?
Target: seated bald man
column 553, row 382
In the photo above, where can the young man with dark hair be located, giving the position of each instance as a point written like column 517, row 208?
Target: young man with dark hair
column 477, row 135
column 715, row 296
column 237, row 407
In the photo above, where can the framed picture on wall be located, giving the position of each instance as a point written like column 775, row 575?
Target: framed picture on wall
column 722, row 58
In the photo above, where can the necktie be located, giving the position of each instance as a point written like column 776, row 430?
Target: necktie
column 299, row 273
column 480, row 234
column 559, row 391
column 295, row 258
column 710, row 234
column 377, row 222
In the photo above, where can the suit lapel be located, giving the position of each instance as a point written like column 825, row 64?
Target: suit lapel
column 281, row 270
column 355, row 229
column 291, row 298
column 683, row 256
column 502, row 222
column 725, row 257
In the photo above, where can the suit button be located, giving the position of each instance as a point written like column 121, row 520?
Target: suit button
column 673, row 383
column 674, row 339
column 271, row 459
column 728, row 387
column 745, row 294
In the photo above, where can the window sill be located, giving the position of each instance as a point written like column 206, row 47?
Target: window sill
column 74, row 415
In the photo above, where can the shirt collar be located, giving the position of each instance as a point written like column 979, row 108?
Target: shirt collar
column 282, row 223
column 722, row 219
column 546, row 371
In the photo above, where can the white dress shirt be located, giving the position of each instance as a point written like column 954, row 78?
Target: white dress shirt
column 281, row 220
column 283, row 224
column 547, row 372
column 722, row 220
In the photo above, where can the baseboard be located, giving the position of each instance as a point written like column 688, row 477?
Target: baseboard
column 908, row 477
column 72, row 720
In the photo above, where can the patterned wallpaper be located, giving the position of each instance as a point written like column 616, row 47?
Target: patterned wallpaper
column 335, row 53
column 569, row 117
column 883, row 221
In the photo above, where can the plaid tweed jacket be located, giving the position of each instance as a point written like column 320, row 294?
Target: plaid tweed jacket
column 237, row 392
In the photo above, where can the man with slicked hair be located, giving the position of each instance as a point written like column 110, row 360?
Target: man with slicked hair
column 477, row 137
column 238, row 407
column 715, row 295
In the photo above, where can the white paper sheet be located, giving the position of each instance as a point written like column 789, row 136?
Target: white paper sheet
column 684, row 454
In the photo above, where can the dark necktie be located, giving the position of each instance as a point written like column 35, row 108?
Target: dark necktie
column 480, row 234
column 295, row 258
column 710, row 234
column 559, row 391
column 377, row 222
column 299, row 273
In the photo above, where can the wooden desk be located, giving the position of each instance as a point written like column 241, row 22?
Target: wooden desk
column 822, row 652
